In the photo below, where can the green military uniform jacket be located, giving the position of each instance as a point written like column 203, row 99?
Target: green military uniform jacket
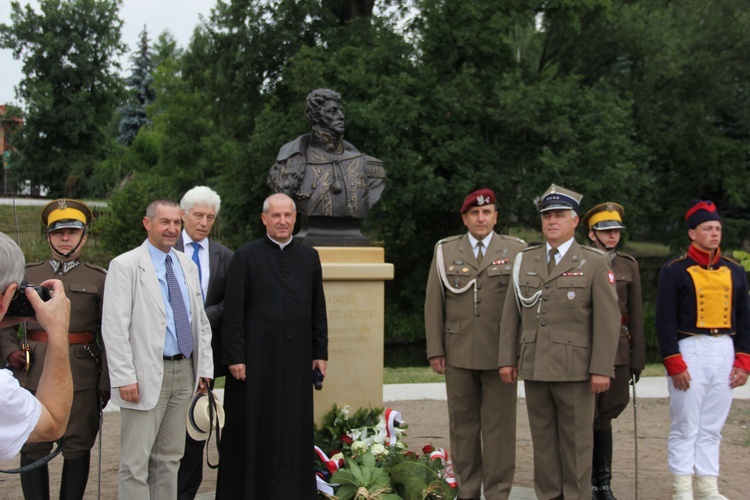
column 457, row 326
column 84, row 286
column 631, row 348
column 569, row 326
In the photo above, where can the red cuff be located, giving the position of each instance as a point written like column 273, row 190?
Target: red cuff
column 674, row 364
column 742, row 361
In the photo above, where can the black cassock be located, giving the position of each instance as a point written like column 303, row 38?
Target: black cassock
column 274, row 322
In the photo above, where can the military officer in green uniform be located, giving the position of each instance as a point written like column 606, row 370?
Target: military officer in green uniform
column 604, row 223
column 559, row 332
column 468, row 280
column 66, row 222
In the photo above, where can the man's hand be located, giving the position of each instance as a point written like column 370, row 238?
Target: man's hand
column 599, row 383
column 437, row 363
column 203, row 386
column 737, row 378
column 635, row 373
column 104, row 397
column 53, row 315
column 320, row 364
column 17, row 359
column 681, row 381
column 129, row 393
column 238, row 371
column 509, row 374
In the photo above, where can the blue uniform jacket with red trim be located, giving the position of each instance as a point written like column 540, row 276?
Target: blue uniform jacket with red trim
column 677, row 309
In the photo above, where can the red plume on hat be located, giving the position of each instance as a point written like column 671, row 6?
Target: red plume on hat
column 701, row 211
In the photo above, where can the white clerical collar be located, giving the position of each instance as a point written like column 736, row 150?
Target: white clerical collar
column 281, row 245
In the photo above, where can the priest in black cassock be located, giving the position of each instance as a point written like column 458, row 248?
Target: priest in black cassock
column 275, row 333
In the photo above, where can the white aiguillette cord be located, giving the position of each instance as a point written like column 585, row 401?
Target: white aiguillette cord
column 521, row 300
column 444, row 278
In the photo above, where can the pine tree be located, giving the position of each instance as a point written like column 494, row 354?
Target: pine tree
column 141, row 93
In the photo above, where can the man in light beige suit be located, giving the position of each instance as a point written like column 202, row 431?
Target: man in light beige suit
column 562, row 314
column 159, row 344
column 466, row 288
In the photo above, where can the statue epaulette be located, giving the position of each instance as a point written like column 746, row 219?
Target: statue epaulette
column 512, row 238
column 531, row 248
column 593, row 249
column 627, row 256
column 95, row 267
column 374, row 168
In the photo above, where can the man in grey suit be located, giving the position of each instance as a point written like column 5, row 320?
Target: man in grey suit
column 160, row 339
column 200, row 207
column 560, row 329
column 466, row 288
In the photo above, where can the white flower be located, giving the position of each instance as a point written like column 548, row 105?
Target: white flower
column 400, row 446
column 337, row 457
column 345, row 411
column 377, row 449
column 358, row 447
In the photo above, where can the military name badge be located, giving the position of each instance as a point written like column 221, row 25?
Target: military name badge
column 611, row 278
column 571, row 295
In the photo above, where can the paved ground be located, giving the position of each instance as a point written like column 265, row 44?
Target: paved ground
column 648, row 387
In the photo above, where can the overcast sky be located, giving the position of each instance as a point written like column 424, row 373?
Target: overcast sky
column 177, row 16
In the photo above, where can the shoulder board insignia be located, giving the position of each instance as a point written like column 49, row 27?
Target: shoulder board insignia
column 95, row 267
column 676, row 259
column 729, row 259
column 512, row 238
column 630, row 257
column 450, row 238
column 34, row 264
column 532, row 248
column 593, row 249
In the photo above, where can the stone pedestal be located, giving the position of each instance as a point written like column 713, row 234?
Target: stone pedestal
column 354, row 283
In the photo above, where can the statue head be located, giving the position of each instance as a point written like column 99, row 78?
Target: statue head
column 325, row 111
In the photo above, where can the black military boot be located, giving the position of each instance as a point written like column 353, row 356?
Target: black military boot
column 75, row 475
column 601, row 470
column 35, row 482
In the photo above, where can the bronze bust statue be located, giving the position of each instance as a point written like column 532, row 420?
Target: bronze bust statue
column 332, row 183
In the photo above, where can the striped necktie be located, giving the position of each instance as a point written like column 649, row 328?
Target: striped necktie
column 181, row 322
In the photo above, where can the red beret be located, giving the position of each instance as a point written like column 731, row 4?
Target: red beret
column 478, row 199
column 701, row 211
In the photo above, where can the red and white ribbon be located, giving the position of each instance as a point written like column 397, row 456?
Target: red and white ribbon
column 392, row 417
column 331, row 465
column 447, row 473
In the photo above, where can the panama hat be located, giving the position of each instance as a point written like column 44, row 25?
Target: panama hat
column 199, row 419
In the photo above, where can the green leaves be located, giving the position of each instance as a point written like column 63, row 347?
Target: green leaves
column 363, row 481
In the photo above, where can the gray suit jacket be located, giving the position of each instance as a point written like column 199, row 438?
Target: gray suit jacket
column 134, row 325
column 219, row 258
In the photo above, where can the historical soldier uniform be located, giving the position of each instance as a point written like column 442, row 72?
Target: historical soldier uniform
column 84, row 286
column 339, row 181
column 631, row 349
column 703, row 327
column 559, row 332
column 463, row 304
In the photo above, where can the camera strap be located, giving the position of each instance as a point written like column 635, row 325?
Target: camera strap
column 37, row 463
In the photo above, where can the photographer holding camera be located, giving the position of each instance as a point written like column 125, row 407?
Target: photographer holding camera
column 67, row 222
column 26, row 418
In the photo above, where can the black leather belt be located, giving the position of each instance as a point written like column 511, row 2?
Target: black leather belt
column 176, row 357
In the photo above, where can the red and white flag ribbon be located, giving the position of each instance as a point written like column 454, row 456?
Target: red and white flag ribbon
column 448, row 477
column 392, row 417
column 331, row 465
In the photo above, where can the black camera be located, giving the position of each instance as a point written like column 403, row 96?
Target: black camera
column 20, row 305
column 317, row 379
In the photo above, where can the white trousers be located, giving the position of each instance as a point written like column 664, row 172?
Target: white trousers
column 698, row 414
